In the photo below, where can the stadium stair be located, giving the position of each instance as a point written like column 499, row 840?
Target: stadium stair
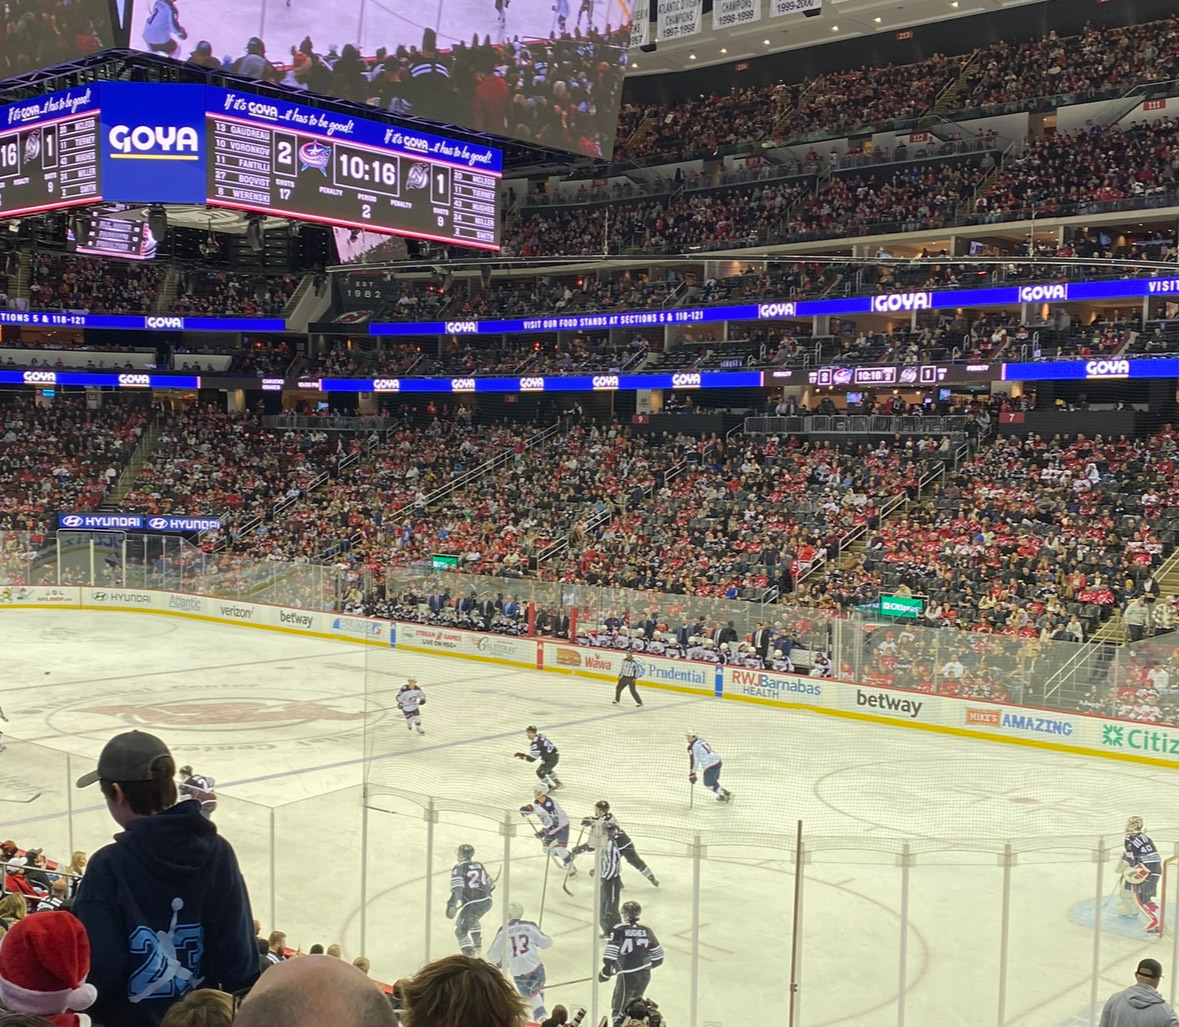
column 126, row 480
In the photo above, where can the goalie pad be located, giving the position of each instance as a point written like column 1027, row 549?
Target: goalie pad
column 1135, row 874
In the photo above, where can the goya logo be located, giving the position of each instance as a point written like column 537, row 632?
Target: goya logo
column 896, row 301
column 1042, row 293
column 154, row 142
column 685, row 381
column 1107, row 369
column 532, row 385
column 387, row 385
column 137, row 380
column 40, row 378
column 165, row 322
column 462, row 384
column 461, row 327
column 776, row 310
column 605, row 381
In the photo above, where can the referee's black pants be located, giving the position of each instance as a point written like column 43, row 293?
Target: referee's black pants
column 627, row 683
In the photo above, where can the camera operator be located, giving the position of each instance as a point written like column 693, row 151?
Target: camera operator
column 643, row 1012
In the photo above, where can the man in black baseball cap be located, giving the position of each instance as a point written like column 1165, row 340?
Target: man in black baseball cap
column 169, row 886
column 1140, row 1005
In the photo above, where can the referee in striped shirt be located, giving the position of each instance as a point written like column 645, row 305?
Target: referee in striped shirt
column 609, row 870
column 626, row 679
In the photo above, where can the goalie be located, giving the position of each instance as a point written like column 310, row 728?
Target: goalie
column 1141, row 867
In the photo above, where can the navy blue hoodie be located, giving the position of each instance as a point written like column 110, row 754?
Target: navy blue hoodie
column 167, row 911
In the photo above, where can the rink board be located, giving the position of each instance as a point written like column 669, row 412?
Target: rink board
column 1131, row 741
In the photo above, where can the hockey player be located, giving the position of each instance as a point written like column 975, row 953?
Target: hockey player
column 525, row 940
column 609, row 871
column 554, row 832
column 586, row 8
column 701, row 759
column 5, row 719
column 199, row 787
column 542, row 751
column 1143, row 867
column 470, row 898
column 631, row 954
column 411, row 699
column 602, row 819
column 163, row 22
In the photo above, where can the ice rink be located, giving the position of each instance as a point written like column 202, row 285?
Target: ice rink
column 279, row 721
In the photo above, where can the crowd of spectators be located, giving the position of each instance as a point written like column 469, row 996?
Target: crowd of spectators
column 1033, row 537
column 209, row 463
column 1068, row 172
column 62, row 456
column 93, row 285
column 217, row 294
column 1002, row 76
column 687, row 221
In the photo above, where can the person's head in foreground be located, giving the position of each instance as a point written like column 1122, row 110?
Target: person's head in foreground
column 314, row 991
column 204, row 1008
column 460, row 991
column 44, row 961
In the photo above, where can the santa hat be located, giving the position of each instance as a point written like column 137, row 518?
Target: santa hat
column 44, row 960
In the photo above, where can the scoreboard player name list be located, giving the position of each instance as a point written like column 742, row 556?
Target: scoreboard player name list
column 243, row 170
column 473, row 213
column 77, row 149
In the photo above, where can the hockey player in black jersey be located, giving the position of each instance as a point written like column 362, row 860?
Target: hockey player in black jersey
column 1141, row 872
column 602, row 819
column 470, row 898
column 542, row 751
column 632, row 952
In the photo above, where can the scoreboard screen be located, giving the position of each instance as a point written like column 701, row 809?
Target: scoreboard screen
column 113, row 237
column 284, row 159
column 144, row 143
column 49, row 152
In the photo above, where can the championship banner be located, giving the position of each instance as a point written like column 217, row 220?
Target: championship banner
column 781, row 7
column 640, row 28
column 679, row 19
column 727, row 14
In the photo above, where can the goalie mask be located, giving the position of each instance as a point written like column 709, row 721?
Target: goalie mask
column 1134, row 825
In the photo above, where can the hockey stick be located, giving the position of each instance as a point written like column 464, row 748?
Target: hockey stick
column 562, row 984
column 35, row 795
column 548, row 858
column 691, row 792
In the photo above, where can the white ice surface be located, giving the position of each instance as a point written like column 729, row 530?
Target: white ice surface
column 278, row 721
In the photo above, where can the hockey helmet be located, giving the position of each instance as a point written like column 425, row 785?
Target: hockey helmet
column 539, row 792
column 515, row 911
column 602, row 806
column 1134, row 825
column 530, row 730
column 465, row 851
column 692, row 735
column 631, row 911
column 777, row 654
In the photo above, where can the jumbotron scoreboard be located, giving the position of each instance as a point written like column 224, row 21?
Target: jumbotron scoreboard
column 147, row 143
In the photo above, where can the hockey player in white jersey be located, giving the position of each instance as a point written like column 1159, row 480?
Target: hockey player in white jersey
column 554, row 828
column 782, row 663
column 163, row 22
column 525, row 940
column 702, row 760
column 411, row 700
